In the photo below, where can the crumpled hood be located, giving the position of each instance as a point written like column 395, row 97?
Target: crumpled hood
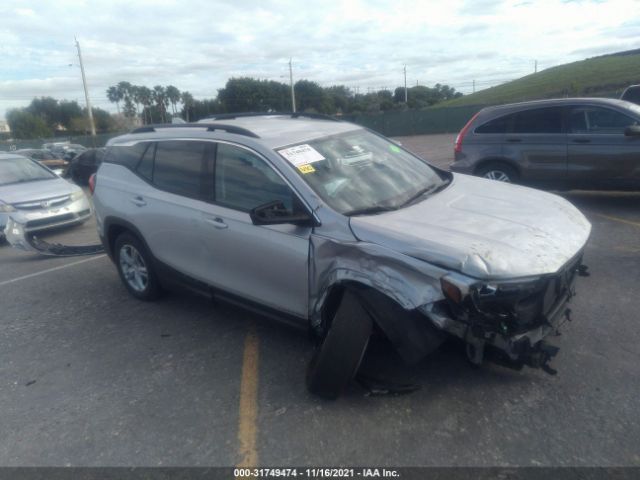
column 39, row 190
column 483, row 228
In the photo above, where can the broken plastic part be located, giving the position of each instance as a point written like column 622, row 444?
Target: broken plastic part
column 20, row 239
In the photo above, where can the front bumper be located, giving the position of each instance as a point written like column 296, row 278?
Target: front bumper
column 486, row 336
column 46, row 218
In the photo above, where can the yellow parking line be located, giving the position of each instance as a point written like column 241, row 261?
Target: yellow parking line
column 616, row 219
column 248, row 421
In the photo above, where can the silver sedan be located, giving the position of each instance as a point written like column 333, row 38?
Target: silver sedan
column 36, row 197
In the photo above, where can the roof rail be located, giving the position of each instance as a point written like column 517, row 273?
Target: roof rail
column 231, row 116
column 210, row 127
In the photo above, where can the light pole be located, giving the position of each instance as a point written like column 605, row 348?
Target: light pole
column 86, row 92
column 293, row 93
column 405, row 84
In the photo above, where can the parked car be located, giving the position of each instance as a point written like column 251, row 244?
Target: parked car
column 590, row 143
column 36, row 197
column 631, row 94
column 65, row 150
column 82, row 166
column 46, row 158
column 336, row 229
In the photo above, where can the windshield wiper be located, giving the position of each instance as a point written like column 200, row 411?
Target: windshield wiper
column 430, row 189
column 369, row 210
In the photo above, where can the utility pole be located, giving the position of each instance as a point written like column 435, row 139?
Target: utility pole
column 86, row 92
column 405, row 84
column 535, row 66
column 293, row 93
column 474, row 86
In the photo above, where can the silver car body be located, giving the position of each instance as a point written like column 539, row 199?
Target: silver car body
column 42, row 204
column 474, row 233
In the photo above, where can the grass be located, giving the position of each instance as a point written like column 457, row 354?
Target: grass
column 604, row 76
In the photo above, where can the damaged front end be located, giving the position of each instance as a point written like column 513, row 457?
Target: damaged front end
column 507, row 321
column 19, row 238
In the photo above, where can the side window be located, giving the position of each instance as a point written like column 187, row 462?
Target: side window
column 598, row 120
column 145, row 167
column 128, row 156
column 539, row 120
column 178, row 167
column 497, row 125
column 244, row 181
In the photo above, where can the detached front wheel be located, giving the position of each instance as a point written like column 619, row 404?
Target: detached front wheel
column 336, row 361
column 135, row 268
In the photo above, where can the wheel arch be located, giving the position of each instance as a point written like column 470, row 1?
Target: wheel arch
column 114, row 227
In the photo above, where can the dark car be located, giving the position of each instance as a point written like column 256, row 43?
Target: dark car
column 631, row 94
column 46, row 158
column 84, row 165
column 591, row 143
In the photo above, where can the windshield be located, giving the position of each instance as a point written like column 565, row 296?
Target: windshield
column 20, row 169
column 360, row 172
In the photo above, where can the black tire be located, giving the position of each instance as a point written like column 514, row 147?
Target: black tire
column 150, row 290
column 498, row 171
column 336, row 361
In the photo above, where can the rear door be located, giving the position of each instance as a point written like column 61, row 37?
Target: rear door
column 265, row 264
column 599, row 153
column 537, row 140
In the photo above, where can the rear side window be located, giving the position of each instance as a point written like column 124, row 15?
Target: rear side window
column 497, row 125
column 145, row 167
column 179, row 166
column 632, row 94
column 539, row 120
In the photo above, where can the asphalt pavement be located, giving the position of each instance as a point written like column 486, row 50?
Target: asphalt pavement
column 92, row 377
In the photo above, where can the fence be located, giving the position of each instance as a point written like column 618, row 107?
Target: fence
column 416, row 122
column 391, row 124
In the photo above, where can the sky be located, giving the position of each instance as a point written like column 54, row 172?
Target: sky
column 197, row 45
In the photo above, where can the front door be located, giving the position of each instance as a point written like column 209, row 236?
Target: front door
column 599, row 153
column 265, row 264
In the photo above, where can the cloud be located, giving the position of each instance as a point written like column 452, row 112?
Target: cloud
column 197, row 45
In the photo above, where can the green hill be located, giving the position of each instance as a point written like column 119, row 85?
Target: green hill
column 604, row 76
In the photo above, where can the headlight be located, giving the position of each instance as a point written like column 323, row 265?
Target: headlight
column 77, row 195
column 6, row 208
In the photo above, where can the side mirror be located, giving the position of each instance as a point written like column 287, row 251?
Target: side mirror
column 275, row 213
column 632, row 131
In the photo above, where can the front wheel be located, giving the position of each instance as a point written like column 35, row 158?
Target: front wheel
column 498, row 171
column 135, row 268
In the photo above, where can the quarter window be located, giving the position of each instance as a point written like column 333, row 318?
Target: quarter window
column 497, row 125
column 179, row 166
column 244, row 181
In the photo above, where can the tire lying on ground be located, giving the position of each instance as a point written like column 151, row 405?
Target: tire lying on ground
column 336, row 361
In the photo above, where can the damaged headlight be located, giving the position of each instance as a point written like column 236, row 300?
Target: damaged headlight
column 506, row 307
column 6, row 208
column 77, row 195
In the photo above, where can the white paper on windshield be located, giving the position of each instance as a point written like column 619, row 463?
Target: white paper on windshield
column 301, row 155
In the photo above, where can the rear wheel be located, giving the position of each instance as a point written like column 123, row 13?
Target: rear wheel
column 135, row 268
column 498, row 171
column 337, row 360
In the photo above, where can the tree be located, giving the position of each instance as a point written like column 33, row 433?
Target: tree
column 311, row 97
column 145, row 95
column 45, row 108
column 115, row 95
column 24, row 124
column 187, row 102
column 173, row 96
column 67, row 111
column 160, row 99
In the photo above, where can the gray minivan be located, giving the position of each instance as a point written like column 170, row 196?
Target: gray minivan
column 591, row 143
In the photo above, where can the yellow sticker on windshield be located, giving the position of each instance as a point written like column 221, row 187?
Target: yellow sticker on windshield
column 306, row 168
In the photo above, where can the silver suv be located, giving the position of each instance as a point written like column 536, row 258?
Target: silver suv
column 330, row 226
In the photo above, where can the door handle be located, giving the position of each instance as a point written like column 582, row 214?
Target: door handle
column 138, row 201
column 217, row 222
column 581, row 140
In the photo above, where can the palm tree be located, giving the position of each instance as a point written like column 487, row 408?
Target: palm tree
column 160, row 98
column 146, row 98
column 114, row 94
column 187, row 101
column 173, row 95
